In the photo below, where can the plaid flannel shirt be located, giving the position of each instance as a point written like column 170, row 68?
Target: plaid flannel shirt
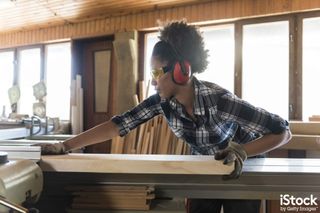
column 220, row 117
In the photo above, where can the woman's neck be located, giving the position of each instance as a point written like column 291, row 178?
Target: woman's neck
column 185, row 96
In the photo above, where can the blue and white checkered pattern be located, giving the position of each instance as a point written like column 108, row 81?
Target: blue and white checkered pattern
column 220, row 117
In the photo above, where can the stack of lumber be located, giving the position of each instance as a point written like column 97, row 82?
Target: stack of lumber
column 305, row 136
column 152, row 137
column 103, row 197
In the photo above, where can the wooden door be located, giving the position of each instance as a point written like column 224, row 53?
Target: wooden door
column 98, row 67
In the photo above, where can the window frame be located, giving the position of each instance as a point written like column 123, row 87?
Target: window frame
column 299, row 59
column 43, row 58
column 292, row 55
column 14, row 67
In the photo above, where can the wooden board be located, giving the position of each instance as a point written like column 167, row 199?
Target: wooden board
column 305, row 128
column 303, row 142
column 135, row 164
column 111, row 196
column 315, row 118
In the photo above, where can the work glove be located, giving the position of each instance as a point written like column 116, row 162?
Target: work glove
column 233, row 153
column 52, row 148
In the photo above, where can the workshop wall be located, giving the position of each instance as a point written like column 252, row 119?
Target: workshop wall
column 212, row 11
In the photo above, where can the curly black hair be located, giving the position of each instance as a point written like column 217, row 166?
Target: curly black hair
column 187, row 42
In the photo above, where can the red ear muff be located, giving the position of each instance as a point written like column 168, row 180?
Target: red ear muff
column 181, row 72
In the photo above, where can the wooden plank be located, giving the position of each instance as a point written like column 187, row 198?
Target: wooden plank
column 145, row 144
column 314, row 118
column 114, row 145
column 79, row 102
column 129, row 142
column 162, row 145
column 110, row 206
column 303, row 142
column 142, row 91
column 117, row 145
column 104, row 195
column 112, row 196
column 98, row 196
column 179, row 147
column 150, row 148
column 142, row 132
column 166, row 142
column 305, row 128
column 135, row 100
column 156, row 134
column 135, row 164
column 110, row 188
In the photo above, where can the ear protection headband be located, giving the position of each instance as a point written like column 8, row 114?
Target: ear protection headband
column 181, row 69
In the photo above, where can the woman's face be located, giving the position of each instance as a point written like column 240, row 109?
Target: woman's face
column 163, row 83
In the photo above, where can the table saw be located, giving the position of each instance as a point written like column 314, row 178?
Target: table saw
column 170, row 175
column 21, row 181
column 188, row 176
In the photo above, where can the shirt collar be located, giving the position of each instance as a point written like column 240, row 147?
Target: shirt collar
column 200, row 90
column 198, row 105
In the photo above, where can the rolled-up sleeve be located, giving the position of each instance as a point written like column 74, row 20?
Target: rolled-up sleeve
column 146, row 110
column 254, row 119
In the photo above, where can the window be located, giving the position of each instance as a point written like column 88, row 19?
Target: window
column 219, row 40
column 29, row 75
column 265, row 70
column 311, row 67
column 58, row 78
column 274, row 57
column 6, row 79
column 151, row 39
column 30, row 70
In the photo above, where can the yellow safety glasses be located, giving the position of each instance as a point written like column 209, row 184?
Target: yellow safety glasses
column 157, row 73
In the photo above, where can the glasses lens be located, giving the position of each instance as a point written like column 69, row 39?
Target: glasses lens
column 157, row 73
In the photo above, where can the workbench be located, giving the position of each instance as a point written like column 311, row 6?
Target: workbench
column 262, row 178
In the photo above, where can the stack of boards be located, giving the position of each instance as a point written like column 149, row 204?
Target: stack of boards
column 106, row 197
column 152, row 137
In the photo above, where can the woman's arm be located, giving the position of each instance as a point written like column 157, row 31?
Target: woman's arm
column 267, row 143
column 97, row 134
column 118, row 125
column 238, row 153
